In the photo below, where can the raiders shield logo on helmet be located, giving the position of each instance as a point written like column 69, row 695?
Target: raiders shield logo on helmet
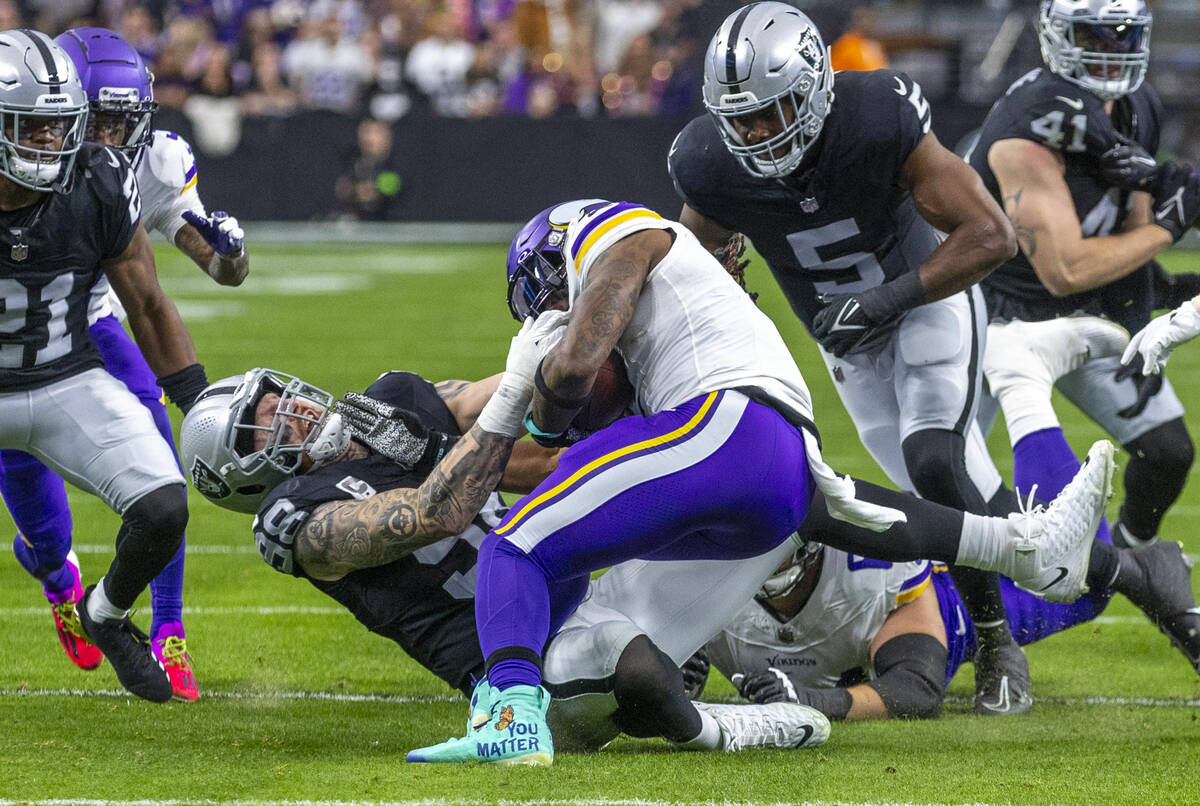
column 207, row 482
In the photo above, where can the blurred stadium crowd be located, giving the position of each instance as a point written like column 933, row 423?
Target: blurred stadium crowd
column 226, row 66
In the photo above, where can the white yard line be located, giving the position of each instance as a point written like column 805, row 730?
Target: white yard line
column 451, row 802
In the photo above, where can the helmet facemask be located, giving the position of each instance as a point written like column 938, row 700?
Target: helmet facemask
column 805, row 104
column 791, row 572
column 277, row 444
column 121, row 111
column 1106, row 52
column 38, row 167
column 539, row 277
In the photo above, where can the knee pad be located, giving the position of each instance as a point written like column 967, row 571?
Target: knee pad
column 157, row 521
column 936, row 461
column 1167, row 448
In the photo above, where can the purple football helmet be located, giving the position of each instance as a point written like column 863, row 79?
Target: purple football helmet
column 118, row 84
column 535, row 259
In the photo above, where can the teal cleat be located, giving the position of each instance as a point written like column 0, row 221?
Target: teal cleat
column 514, row 731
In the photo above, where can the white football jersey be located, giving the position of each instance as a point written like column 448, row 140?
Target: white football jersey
column 166, row 177
column 694, row 330
column 832, row 633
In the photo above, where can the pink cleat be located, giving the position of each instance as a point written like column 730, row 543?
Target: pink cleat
column 170, row 647
column 82, row 652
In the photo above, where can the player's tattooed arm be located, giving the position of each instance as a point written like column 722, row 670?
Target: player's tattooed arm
column 465, row 399
column 1026, row 235
column 347, row 536
column 598, row 318
column 1049, row 231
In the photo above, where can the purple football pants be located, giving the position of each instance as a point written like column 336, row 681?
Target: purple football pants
column 37, row 498
column 720, row 477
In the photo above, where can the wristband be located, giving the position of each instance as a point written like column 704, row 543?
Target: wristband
column 885, row 302
column 536, row 432
column 183, row 387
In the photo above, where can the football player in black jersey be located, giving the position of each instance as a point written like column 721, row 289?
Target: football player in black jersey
column 68, row 212
column 1067, row 150
column 841, row 193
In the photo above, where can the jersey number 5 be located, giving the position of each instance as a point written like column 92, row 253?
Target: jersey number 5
column 848, row 272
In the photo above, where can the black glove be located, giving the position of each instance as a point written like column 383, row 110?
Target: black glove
column 1172, row 290
column 768, row 686
column 393, row 432
column 1129, row 166
column 1147, row 386
column 1177, row 200
column 695, row 673
column 842, row 324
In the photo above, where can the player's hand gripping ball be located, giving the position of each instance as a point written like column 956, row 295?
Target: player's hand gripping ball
column 610, row 398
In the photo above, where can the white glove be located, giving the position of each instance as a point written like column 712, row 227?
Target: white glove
column 1156, row 340
column 505, row 411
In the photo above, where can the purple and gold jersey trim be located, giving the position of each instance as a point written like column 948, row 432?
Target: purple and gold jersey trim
column 189, row 179
column 603, row 223
column 914, row 586
column 610, row 460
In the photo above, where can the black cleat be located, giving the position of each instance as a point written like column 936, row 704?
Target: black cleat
column 1161, row 586
column 1002, row 684
column 128, row 650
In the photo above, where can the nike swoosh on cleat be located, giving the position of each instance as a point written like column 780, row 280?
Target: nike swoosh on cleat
column 1074, row 103
column 1062, row 572
column 1002, row 702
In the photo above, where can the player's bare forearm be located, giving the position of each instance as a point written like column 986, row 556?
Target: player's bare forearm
column 465, row 399
column 528, row 467
column 225, row 270
column 712, row 236
column 598, row 318
column 157, row 327
column 350, row 535
column 865, row 704
column 949, row 194
column 1039, row 204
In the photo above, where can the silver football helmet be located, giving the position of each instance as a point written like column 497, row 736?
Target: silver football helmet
column 217, row 438
column 1101, row 45
column 39, row 88
column 769, row 58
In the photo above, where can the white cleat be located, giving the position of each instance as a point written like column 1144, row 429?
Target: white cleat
column 1053, row 546
column 781, row 724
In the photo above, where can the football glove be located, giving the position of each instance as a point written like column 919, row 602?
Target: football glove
column 393, row 432
column 765, row 687
column 1177, row 200
column 695, row 673
column 220, row 230
column 1153, row 343
column 1173, row 290
column 1129, row 166
column 1147, row 386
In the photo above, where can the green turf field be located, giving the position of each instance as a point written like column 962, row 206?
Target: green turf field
column 298, row 702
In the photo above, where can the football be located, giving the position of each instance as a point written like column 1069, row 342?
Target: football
column 611, row 397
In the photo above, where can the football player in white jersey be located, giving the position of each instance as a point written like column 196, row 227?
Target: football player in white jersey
column 119, row 91
column 857, row 638
column 720, row 468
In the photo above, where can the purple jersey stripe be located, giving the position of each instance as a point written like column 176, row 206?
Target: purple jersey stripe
column 187, row 177
column 917, row 579
column 616, row 209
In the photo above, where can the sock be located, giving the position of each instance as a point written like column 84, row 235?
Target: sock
column 983, row 543
column 166, row 592
column 1043, row 458
column 53, row 581
column 1103, row 567
column 100, row 608
column 513, row 672
column 709, row 737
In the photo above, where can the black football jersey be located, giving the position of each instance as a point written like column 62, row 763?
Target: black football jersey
column 1051, row 111
column 848, row 223
column 50, row 256
column 425, row 601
